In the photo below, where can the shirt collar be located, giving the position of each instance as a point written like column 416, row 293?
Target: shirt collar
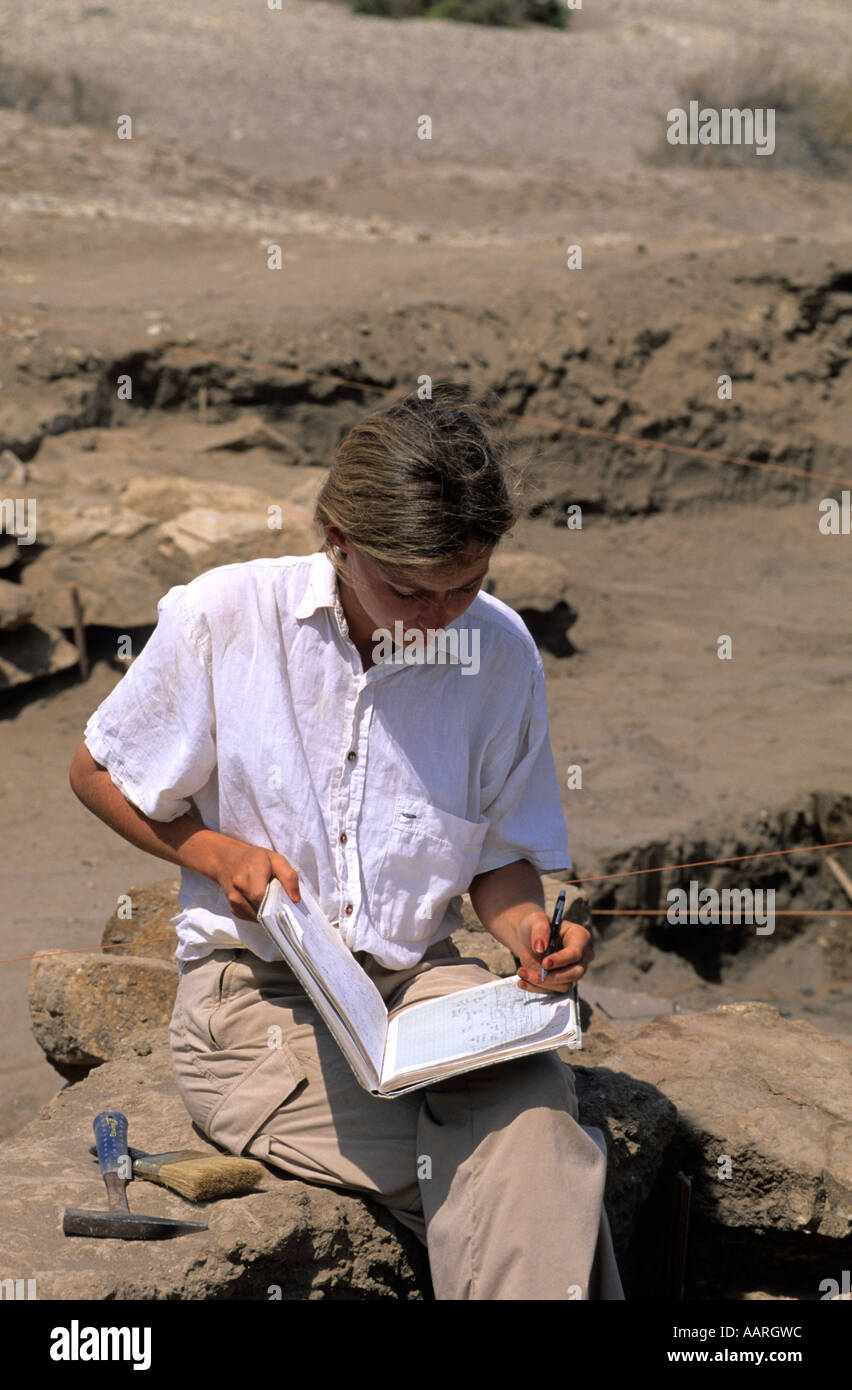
column 322, row 592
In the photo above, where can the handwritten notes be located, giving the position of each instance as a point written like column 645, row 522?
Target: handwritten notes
column 472, row 1021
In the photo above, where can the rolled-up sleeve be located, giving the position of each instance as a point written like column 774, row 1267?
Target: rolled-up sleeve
column 521, row 798
column 155, row 733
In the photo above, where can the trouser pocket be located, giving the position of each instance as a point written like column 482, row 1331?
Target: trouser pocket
column 259, row 1091
column 230, row 1055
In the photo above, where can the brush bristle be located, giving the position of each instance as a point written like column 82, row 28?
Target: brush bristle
column 203, row 1179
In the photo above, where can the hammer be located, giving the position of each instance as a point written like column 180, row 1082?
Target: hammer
column 119, row 1222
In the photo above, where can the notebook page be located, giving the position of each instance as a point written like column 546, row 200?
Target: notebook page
column 470, row 1021
column 335, row 967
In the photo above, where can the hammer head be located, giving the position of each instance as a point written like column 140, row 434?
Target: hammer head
column 124, row 1225
column 119, row 1222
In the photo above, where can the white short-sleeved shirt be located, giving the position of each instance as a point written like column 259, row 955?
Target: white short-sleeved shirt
column 387, row 790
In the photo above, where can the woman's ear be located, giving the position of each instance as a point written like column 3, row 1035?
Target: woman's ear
column 335, row 536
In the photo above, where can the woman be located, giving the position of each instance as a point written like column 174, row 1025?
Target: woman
column 270, row 728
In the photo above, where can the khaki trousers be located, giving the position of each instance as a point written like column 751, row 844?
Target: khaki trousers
column 490, row 1169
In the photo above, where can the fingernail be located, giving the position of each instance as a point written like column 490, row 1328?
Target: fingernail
column 541, row 945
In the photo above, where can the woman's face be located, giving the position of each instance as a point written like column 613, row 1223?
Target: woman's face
column 420, row 600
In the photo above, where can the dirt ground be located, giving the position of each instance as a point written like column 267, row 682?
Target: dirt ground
column 452, row 260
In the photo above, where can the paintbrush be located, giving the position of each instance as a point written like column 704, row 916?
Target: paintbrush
column 197, row 1176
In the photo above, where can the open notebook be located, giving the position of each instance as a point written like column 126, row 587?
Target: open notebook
column 423, row 1042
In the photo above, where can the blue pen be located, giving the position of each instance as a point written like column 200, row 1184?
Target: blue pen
column 555, row 938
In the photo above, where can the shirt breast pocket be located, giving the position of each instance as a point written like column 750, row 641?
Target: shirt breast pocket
column 429, row 857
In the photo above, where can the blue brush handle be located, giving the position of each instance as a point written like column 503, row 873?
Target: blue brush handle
column 111, row 1138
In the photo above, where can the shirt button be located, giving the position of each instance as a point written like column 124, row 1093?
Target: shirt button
column 348, row 909
column 350, row 757
column 343, row 838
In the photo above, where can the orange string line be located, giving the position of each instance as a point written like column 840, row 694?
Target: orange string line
column 702, row 863
column 596, row 912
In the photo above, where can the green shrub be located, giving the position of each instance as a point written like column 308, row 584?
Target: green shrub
column 813, row 116
column 506, row 13
column 58, row 98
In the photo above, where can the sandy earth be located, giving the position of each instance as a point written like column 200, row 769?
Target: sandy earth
column 452, row 255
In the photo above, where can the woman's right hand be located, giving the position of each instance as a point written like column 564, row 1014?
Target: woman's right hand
column 243, row 873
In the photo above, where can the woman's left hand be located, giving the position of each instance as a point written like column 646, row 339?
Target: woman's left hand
column 564, row 966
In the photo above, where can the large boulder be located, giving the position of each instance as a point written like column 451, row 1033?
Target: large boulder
column 83, row 1005
column 142, row 923
column 33, row 651
column 13, row 473
column 251, row 431
column 537, row 588
column 16, row 606
column 638, row 1122
column 765, row 1135
column 524, row 579
column 309, row 1241
column 285, row 1239
column 125, row 552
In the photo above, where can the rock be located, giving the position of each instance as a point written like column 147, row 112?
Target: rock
column 469, row 919
column 252, row 432
column 10, row 552
column 311, row 1241
column 193, row 533
column 32, row 651
column 61, row 423
column 536, row 587
column 601, row 1036
column 771, row 1094
column 526, row 580
column 118, row 586
column 482, row 946
column 148, row 931
column 13, row 473
column 71, row 527
column 835, row 940
column 201, row 539
column 638, row 1123
column 202, row 531
column 162, row 497
column 83, row 1005
column 301, row 486
column 17, row 433
column 124, row 555
column 16, row 606
column 625, row 1005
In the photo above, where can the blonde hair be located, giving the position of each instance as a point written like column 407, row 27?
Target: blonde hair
column 420, row 483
